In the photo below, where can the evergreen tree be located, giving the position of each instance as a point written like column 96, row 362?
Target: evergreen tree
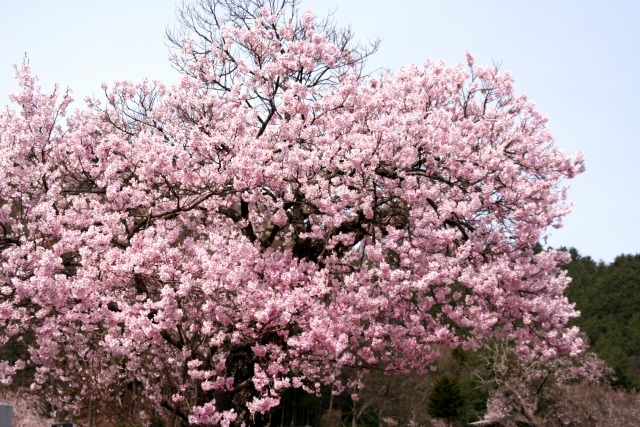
column 445, row 400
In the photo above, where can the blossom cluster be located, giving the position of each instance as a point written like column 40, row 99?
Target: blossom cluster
column 220, row 241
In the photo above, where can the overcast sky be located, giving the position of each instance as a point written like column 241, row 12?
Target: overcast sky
column 579, row 61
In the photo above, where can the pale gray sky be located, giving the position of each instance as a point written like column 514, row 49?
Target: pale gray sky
column 577, row 59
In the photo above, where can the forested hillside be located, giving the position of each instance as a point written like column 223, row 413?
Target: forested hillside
column 608, row 297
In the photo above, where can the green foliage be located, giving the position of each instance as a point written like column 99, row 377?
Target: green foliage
column 583, row 272
column 446, row 400
column 467, row 364
column 608, row 297
column 156, row 421
column 368, row 419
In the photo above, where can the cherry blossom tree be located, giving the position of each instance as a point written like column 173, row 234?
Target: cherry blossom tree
column 273, row 219
column 530, row 391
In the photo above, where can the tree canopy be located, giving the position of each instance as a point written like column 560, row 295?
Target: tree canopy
column 276, row 220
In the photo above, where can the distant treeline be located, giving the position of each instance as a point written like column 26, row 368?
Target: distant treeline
column 608, row 297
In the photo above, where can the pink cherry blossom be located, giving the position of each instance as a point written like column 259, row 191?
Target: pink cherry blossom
column 274, row 218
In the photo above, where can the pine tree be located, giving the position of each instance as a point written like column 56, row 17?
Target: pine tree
column 446, row 400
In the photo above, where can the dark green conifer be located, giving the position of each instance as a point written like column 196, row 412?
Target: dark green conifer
column 446, row 400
